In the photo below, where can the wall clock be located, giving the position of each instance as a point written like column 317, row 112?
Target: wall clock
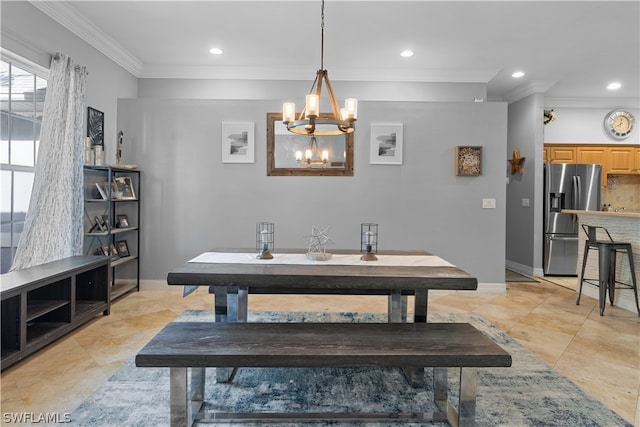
column 618, row 124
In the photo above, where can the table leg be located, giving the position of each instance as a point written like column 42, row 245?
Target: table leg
column 419, row 316
column 395, row 312
column 243, row 302
column 420, row 306
column 225, row 303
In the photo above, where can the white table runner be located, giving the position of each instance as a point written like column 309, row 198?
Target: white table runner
column 336, row 259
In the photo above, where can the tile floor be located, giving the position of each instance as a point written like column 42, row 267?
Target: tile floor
column 600, row 354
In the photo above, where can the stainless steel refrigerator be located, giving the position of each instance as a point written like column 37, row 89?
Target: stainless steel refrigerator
column 566, row 186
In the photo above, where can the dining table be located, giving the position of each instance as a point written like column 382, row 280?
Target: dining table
column 233, row 274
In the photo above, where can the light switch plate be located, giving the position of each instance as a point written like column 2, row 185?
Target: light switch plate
column 488, row 203
column 525, row 203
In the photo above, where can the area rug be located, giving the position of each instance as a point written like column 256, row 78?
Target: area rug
column 530, row 393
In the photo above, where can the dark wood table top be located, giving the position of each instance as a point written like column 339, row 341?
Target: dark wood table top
column 292, row 278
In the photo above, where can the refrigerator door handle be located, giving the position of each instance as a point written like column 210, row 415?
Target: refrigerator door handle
column 576, row 191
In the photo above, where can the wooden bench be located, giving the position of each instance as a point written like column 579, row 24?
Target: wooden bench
column 183, row 346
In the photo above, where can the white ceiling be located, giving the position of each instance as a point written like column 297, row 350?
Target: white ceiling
column 568, row 49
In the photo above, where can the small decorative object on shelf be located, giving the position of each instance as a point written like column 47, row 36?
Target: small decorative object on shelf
column 318, row 241
column 369, row 241
column 122, row 248
column 264, row 240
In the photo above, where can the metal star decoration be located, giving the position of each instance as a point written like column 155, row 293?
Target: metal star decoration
column 318, row 241
column 516, row 163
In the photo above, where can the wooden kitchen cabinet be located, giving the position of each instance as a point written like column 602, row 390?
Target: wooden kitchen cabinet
column 621, row 160
column 561, row 153
column 596, row 155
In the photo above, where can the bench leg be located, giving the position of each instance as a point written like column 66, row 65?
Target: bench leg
column 467, row 401
column 178, row 397
column 440, row 388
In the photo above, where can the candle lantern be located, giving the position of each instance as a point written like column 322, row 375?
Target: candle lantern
column 264, row 240
column 368, row 241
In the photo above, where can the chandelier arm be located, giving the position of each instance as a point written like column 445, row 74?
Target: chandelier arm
column 332, row 98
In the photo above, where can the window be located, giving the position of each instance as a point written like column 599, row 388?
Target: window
column 22, row 92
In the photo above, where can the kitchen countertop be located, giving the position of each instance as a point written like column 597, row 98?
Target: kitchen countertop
column 624, row 214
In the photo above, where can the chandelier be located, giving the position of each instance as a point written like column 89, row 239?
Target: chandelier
column 310, row 121
column 312, row 155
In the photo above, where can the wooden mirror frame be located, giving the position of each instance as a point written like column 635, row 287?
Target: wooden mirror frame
column 272, row 170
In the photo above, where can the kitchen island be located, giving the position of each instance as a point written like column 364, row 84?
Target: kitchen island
column 623, row 227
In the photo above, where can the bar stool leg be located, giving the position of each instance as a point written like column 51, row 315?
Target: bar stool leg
column 584, row 265
column 633, row 277
column 604, row 263
column 612, row 276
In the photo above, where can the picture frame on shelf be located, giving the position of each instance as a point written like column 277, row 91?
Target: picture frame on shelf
column 386, row 144
column 123, row 248
column 122, row 221
column 468, row 160
column 95, row 126
column 124, row 188
column 101, row 193
column 238, row 142
column 114, row 251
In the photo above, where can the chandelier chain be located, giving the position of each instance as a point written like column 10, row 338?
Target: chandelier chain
column 322, row 35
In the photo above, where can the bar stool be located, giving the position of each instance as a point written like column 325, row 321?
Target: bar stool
column 606, row 281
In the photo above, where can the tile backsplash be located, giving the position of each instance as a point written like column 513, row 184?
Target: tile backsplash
column 623, row 191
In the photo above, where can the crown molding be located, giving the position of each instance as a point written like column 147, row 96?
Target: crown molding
column 529, row 89
column 75, row 22
column 305, row 73
column 592, row 103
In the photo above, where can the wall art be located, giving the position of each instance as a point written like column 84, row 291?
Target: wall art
column 238, row 143
column 468, row 160
column 95, row 126
column 386, row 144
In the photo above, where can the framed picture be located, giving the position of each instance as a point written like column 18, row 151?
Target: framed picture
column 122, row 221
column 95, row 126
column 122, row 248
column 124, row 188
column 292, row 154
column 101, row 192
column 386, row 144
column 238, row 143
column 468, row 160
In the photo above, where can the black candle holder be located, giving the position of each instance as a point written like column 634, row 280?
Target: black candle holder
column 369, row 241
column 264, row 240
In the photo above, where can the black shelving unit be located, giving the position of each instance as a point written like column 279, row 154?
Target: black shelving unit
column 106, row 205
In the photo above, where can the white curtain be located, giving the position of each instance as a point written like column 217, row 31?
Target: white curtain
column 53, row 226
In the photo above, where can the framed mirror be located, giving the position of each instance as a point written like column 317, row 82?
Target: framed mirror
column 290, row 154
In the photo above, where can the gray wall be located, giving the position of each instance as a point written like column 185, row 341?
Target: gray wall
column 192, row 202
column 523, row 228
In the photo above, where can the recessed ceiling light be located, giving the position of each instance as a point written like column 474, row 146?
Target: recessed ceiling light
column 215, row 51
column 614, row 85
column 517, row 74
column 406, row 53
